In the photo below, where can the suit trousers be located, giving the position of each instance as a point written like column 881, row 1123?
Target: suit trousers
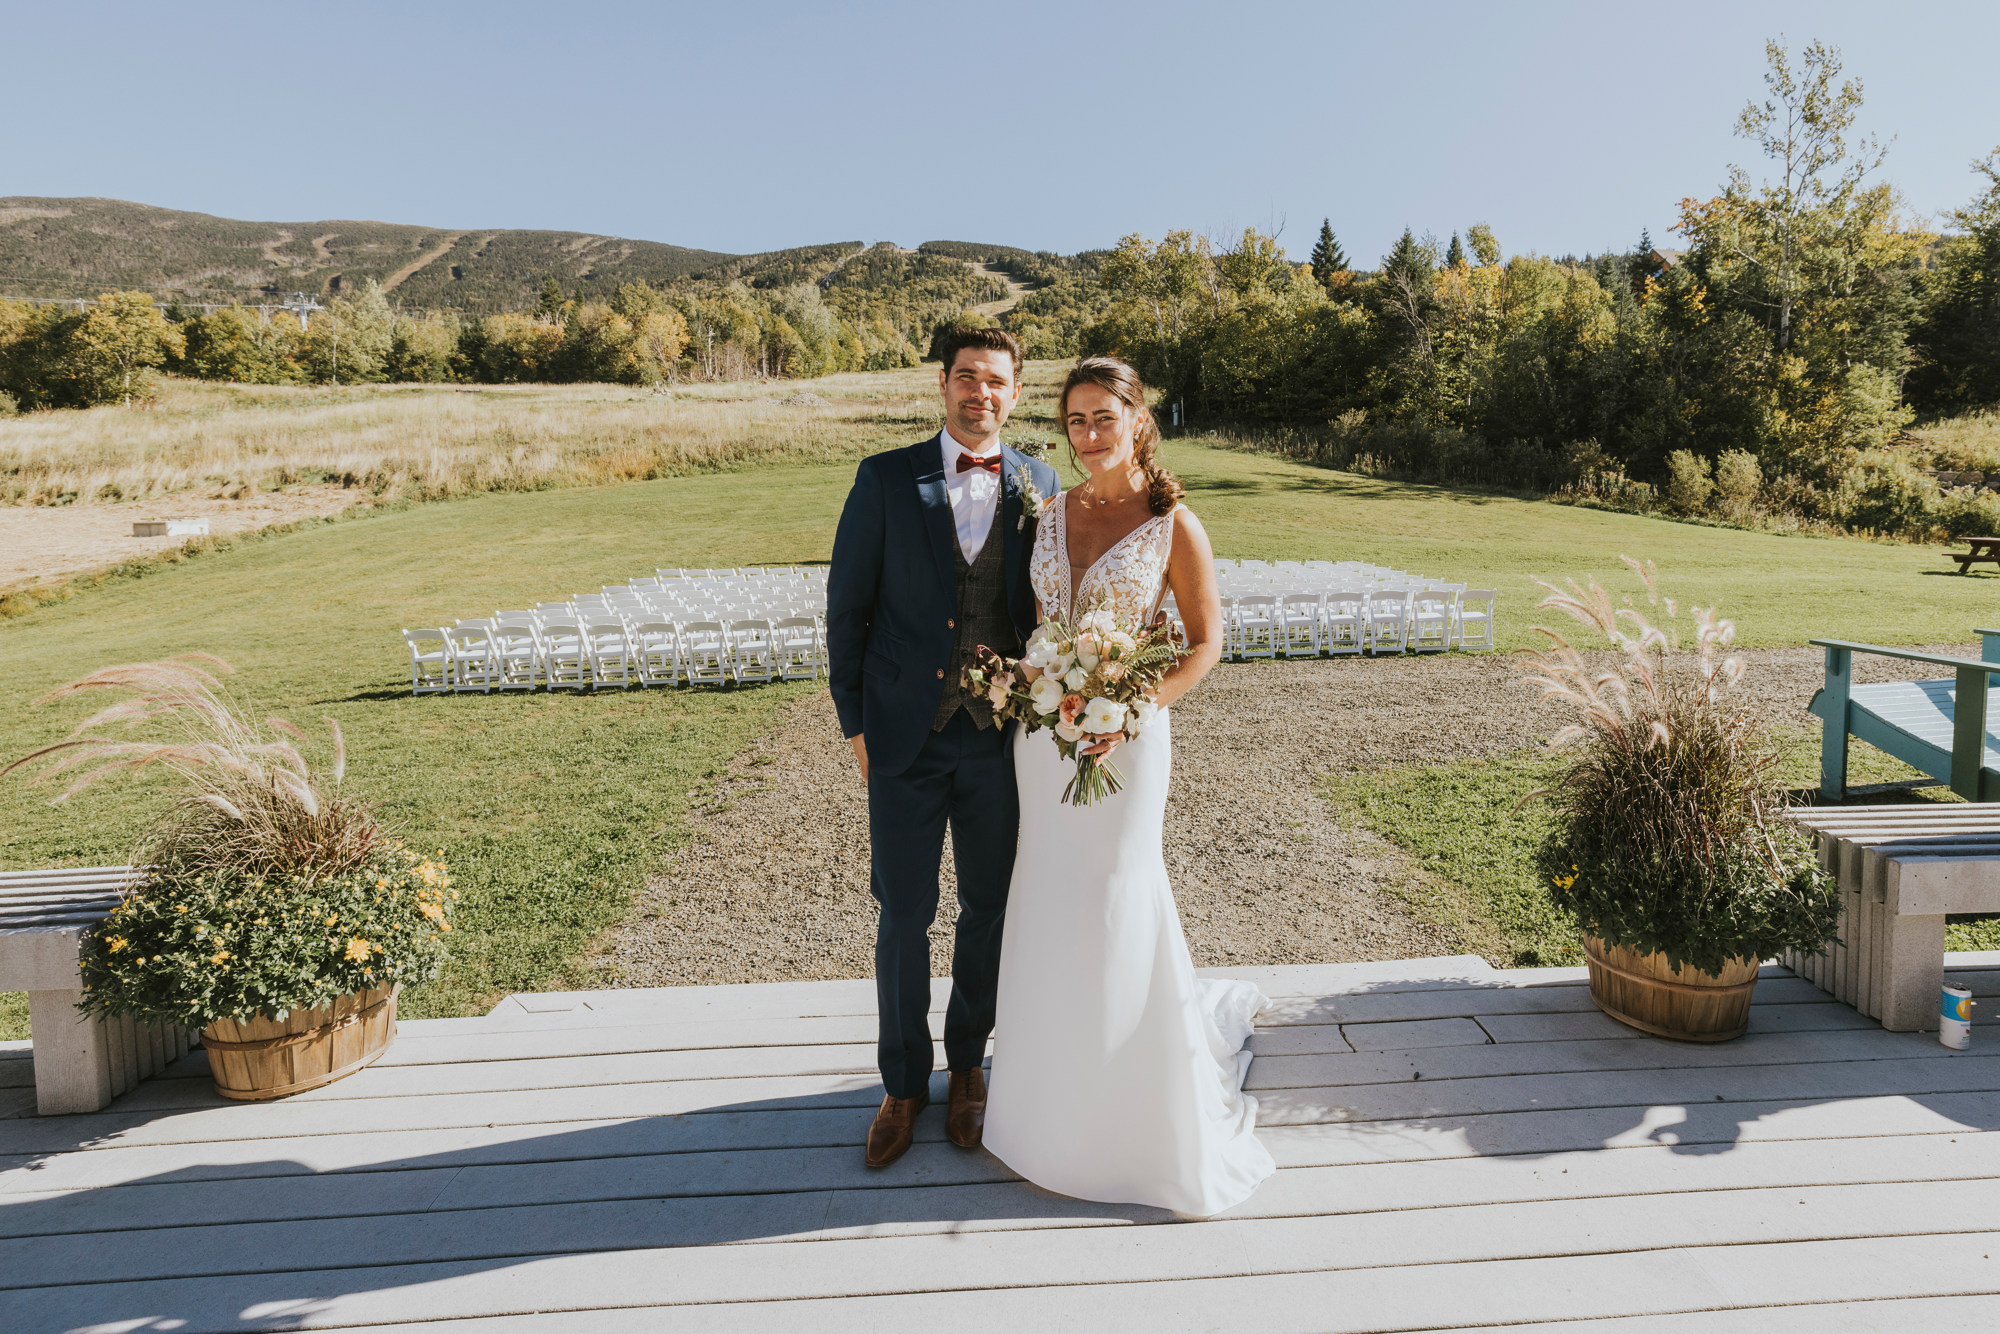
column 964, row 775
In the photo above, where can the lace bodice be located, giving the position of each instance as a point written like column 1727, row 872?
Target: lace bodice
column 1131, row 576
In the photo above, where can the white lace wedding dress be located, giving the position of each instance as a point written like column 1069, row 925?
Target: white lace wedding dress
column 1117, row 1074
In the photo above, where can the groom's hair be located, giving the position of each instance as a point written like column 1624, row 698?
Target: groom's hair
column 990, row 340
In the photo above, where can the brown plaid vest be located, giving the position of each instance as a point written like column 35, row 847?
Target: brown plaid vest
column 982, row 619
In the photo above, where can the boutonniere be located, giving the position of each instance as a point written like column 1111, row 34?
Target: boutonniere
column 1032, row 503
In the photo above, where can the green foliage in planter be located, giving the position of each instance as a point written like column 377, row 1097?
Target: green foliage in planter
column 1670, row 834
column 192, row 947
column 1747, row 902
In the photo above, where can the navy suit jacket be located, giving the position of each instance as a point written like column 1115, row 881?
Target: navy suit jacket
column 893, row 592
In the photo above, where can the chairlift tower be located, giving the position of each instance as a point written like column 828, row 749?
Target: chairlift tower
column 302, row 305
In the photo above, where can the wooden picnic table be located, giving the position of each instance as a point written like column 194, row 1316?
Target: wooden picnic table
column 1985, row 551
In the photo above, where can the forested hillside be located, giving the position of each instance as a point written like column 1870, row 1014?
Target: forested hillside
column 80, row 247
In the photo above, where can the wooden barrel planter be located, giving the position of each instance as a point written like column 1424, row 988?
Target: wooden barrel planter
column 1678, row 1003
column 270, row 1058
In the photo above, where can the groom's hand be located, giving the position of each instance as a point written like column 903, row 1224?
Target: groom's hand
column 860, row 744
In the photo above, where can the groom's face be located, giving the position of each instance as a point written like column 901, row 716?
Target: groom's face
column 979, row 391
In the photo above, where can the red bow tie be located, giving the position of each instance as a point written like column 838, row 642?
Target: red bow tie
column 991, row 462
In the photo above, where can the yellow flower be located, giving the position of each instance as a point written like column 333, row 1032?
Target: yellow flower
column 180, row 907
column 432, row 911
column 332, row 917
column 358, row 950
column 118, row 943
column 222, row 957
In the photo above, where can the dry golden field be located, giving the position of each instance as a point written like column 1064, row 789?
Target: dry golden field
column 433, row 441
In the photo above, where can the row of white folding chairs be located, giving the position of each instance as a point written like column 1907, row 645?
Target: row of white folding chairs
column 742, row 572
column 1354, row 621
column 526, row 651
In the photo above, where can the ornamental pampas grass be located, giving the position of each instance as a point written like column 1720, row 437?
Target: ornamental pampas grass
column 266, row 890
column 251, row 803
column 1670, row 834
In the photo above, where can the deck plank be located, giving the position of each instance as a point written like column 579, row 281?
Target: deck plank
column 1691, row 1240
column 927, row 1189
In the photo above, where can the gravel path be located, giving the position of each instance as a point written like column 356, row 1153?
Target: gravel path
column 775, row 887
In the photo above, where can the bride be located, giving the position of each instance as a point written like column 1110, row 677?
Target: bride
column 1117, row 1074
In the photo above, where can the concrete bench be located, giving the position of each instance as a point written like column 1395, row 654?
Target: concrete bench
column 1900, row 870
column 81, row 1063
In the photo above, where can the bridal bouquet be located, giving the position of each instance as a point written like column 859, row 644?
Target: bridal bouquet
column 1097, row 679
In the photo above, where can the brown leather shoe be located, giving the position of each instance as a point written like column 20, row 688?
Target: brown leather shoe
column 965, row 1114
column 895, row 1126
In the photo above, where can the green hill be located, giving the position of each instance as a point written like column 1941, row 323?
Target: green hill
column 80, row 247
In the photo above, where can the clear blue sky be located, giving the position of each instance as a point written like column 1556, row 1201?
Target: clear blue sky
column 752, row 126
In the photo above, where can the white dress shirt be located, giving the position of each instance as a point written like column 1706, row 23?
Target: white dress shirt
column 974, row 494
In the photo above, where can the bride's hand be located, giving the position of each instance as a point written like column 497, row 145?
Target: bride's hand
column 1105, row 743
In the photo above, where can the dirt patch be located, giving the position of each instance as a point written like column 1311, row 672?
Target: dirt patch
column 40, row 543
column 775, row 888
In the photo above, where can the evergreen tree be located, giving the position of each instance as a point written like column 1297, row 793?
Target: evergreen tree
column 1643, row 265
column 555, row 302
column 1327, row 259
column 1409, row 259
column 1454, row 258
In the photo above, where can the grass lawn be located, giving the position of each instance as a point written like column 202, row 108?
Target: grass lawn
column 552, row 809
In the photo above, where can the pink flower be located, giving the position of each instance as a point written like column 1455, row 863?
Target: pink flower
column 1071, row 708
column 999, row 688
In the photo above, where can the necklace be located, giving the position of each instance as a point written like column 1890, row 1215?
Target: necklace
column 1092, row 498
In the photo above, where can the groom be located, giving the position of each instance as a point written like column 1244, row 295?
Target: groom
column 931, row 561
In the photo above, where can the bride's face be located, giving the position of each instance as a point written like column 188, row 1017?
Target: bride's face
column 1100, row 429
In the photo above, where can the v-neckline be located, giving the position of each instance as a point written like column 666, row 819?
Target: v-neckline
column 1076, row 581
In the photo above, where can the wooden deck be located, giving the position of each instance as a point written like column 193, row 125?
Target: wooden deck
column 1459, row 1148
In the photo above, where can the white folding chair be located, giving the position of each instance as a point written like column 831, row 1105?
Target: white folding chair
column 1257, row 626
column 801, row 655
column 517, row 641
column 656, row 651
column 430, row 661
column 1475, row 618
column 1388, row 623
column 475, row 665
column 565, row 654
column 1299, row 625
column 752, row 656
column 705, row 652
column 1346, row 622
column 1431, row 616
column 610, row 653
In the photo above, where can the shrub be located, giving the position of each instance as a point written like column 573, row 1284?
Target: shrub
column 1689, row 481
column 266, row 890
column 1670, row 835
column 1737, row 481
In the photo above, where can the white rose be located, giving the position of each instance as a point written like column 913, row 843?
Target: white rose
column 1104, row 715
column 1142, row 715
column 1043, row 650
column 1062, row 664
column 1046, row 693
column 1088, row 650
column 1068, row 731
column 1075, row 677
